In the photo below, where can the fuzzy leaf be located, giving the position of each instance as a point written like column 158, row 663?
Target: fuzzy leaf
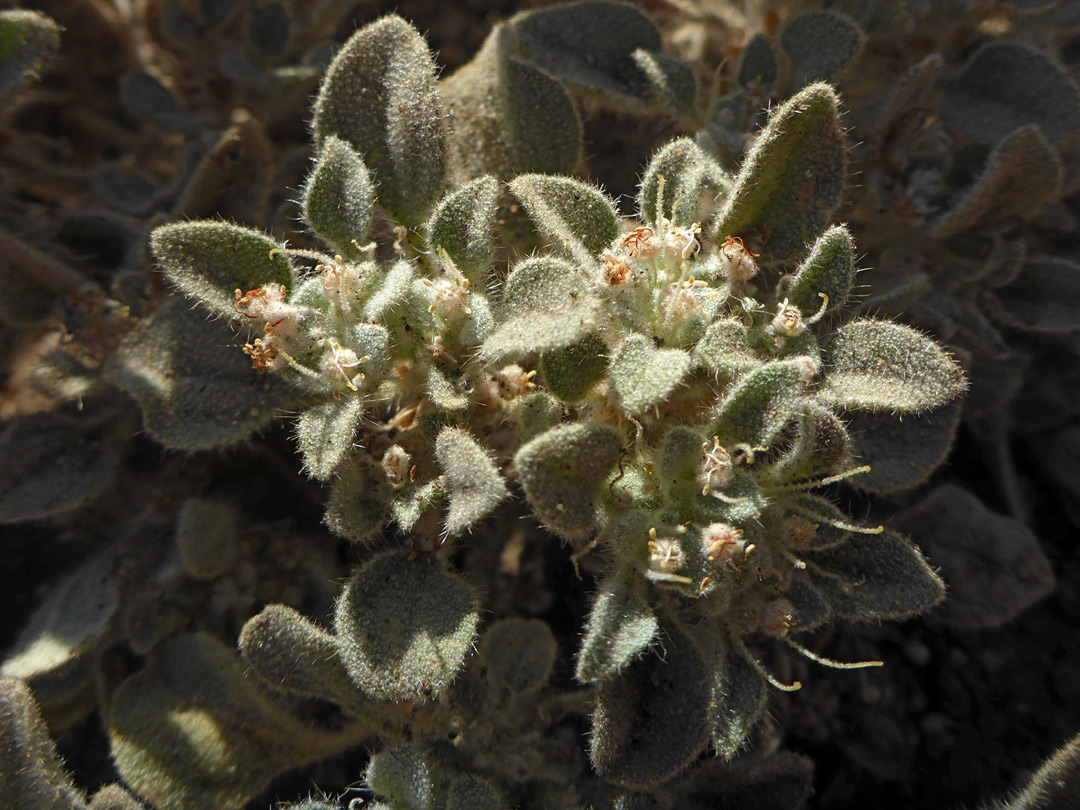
column 232, row 182
column 290, row 653
column 470, row 792
column 579, row 220
column 207, row 536
column 1021, row 177
column 1044, row 297
column 693, row 183
column 404, row 627
column 464, row 226
column 471, row 479
column 902, row 453
column 1056, row 785
column 114, row 797
column 196, row 388
column 992, row 563
column 1006, row 85
column 535, row 414
column 725, row 349
column 52, row 653
column 820, row 44
column 325, row 434
column 510, row 117
column 572, row 371
column 811, row 608
column 792, row 179
column 189, row 731
column 27, row 40
column 560, row 471
column 380, row 96
column 741, row 696
column 598, row 46
column 145, row 96
column 518, row 654
column 621, row 626
column 32, row 776
column 760, row 405
column 757, row 63
column 339, row 198
column 549, row 306
column 400, row 775
column 829, row 269
column 357, row 506
column 53, row 463
column 643, row 376
column 268, row 29
column 883, row 366
column 211, row 260
column 445, row 392
column 652, row 719
column 392, row 293
column 874, row 577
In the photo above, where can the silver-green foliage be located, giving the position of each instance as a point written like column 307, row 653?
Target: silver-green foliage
column 646, row 387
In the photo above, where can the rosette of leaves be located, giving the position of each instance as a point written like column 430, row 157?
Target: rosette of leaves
column 710, row 399
column 705, row 397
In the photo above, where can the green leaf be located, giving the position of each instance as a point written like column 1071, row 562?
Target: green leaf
column 1022, row 176
column 1044, row 297
column 380, row 96
column 741, row 697
column 572, row 371
column 32, row 776
column 470, row 478
column 510, row 117
column 621, row 626
column 232, row 181
column 357, row 506
column 829, row 269
column 725, row 349
column 518, row 654
column 820, row 44
column 145, row 96
column 1056, row 785
column 607, row 49
column 549, row 306
column 693, row 183
column 902, row 453
column 53, row 463
column 464, row 226
column 992, row 563
column 757, row 63
column 114, row 797
column 400, row 775
column 878, row 365
column 579, row 220
column 535, row 414
column 561, row 470
column 190, row 732
column 53, row 653
column 289, row 653
column 28, row 39
column 1006, row 85
column 446, row 392
column 339, row 198
column 760, row 406
column 404, row 627
column 325, row 434
column 793, row 178
column 873, row 577
column 393, row 292
column 470, row 792
column 195, row 386
column 643, row 376
column 207, row 536
column 811, row 608
column 653, row 718
column 210, row 261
